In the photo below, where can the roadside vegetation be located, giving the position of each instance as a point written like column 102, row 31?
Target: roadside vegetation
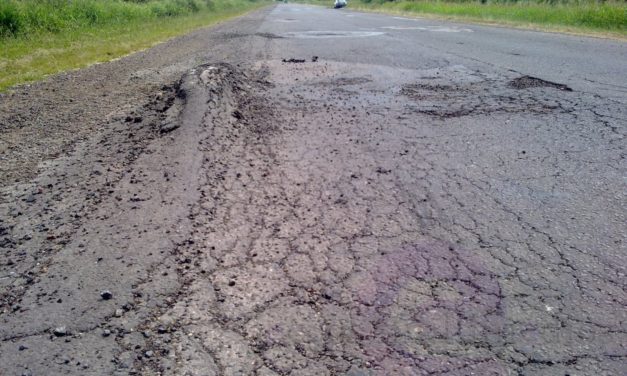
column 41, row 37
column 594, row 16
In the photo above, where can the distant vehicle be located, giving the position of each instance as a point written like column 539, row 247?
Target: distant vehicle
column 340, row 4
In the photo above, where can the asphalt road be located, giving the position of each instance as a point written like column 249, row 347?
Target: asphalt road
column 308, row 191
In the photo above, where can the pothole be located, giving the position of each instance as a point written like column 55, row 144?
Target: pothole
column 450, row 99
column 268, row 35
column 526, row 82
column 345, row 81
column 331, row 34
column 404, row 27
column 240, row 35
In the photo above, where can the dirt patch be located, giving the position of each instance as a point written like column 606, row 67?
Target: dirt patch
column 526, row 82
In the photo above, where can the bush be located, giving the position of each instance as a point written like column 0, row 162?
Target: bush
column 11, row 22
column 193, row 6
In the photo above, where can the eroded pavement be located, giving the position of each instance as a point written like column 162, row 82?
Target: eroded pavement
column 290, row 213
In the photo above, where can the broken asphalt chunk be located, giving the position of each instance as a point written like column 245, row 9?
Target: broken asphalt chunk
column 106, row 295
column 60, row 331
column 292, row 60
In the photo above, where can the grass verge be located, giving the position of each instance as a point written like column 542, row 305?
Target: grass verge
column 607, row 18
column 34, row 50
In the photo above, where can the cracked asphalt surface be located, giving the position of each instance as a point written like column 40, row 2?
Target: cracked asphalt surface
column 307, row 191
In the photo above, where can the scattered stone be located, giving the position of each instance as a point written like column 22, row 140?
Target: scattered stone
column 162, row 330
column 314, row 59
column 22, row 348
column 106, row 333
column 61, row 331
column 238, row 115
column 149, row 353
column 119, row 312
column 30, row 198
column 106, row 295
column 231, row 283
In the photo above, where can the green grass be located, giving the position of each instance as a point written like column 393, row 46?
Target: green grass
column 596, row 17
column 42, row 37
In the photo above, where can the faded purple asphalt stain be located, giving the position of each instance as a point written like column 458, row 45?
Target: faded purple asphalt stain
column 424, row 299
